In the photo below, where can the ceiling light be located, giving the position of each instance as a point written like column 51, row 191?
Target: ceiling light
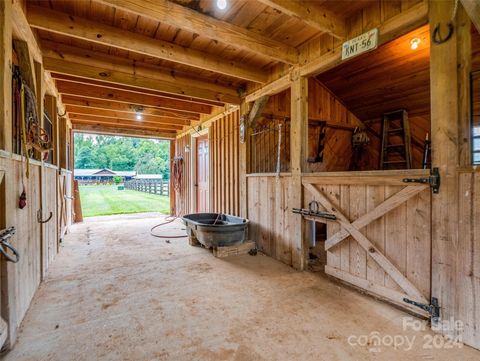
column 414, row 43
column 221, row 4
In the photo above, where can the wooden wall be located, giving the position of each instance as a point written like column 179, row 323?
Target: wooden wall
column 225, row 171
column 23, row 277
column 269, row 215
column 467, row 257
column 323, row 105
column 36, row 243
column 225, row 164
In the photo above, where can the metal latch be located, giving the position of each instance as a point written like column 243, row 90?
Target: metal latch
column 4, row 236
column 433, row 180
column 433, row 309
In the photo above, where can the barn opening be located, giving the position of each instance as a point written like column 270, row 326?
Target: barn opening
column 121, row 175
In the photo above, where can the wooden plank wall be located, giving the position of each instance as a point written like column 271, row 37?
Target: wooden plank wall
column 224, row 164
column 224, row 148
column 467, row 257
column 49, row 204
column 269, row 215
column 24, row 276
column 322, row 106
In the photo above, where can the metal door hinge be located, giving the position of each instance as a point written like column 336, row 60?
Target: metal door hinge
column 433, row 180
column 433, row 308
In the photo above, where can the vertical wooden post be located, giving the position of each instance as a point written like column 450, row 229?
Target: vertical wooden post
column 464, row 66
column 299, row 119
column 243, row 160
column 444, row 124
column 8, row 271
column 171, row 190
column 6, row 75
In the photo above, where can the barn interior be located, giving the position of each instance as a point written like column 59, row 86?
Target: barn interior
column 341, row 139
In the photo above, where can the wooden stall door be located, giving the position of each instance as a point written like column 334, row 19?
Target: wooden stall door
column 381, row 240
column 48, row 215
column 202, row 174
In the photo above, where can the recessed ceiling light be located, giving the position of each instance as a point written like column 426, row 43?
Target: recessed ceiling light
column 414, row 43
column 221, row 4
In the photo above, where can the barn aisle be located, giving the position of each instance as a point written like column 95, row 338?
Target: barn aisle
column 117, row 293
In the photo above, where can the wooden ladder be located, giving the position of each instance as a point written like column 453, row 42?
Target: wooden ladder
column 395, row 125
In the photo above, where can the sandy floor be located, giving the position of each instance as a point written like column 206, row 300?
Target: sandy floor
column 116, row 293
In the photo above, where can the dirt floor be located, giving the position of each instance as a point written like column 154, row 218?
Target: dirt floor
column 117, row 293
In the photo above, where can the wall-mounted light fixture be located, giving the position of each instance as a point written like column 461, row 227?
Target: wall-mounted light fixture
column 138, row 109
column 187, row 148
column 414, row 43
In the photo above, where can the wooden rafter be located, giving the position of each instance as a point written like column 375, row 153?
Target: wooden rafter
column 65, row 24
column 178, row 16
column 315, row 16
column 90, row 119
column 97, row 105
column 103, row 93
column 75, row 79
column 74, row 109
column 401, row 24
column 93, row 65
column 113, row 130
column 368, row 246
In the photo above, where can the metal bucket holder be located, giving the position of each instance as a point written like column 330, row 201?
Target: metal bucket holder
column 4, row 236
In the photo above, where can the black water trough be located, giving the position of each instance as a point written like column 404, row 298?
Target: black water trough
column 216, row 229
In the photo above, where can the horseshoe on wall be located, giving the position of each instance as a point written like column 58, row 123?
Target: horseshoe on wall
column 437, row 37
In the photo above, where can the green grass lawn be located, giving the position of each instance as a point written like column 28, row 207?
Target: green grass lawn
column 105, row 200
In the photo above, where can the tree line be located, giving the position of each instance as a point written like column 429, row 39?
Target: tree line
column 145, row 156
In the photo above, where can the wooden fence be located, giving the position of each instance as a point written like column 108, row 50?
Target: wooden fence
column 157, row 186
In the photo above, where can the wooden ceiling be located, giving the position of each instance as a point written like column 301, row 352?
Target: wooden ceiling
column 389, row 78
column 173, row 59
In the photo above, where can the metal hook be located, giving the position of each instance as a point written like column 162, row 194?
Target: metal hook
column 39, row 217
column 437, row 38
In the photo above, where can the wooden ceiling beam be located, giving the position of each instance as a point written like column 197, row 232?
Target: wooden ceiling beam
column 76, row 79
column 315, row 16
column 178, row 16
column 103, row 93
column 73, row 109
column 88, row 64
column 78, row 118
column 80, row 28
column 94, row 105
column 124, row 132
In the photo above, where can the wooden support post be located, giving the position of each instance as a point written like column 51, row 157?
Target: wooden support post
column 298, row 141
column 464, row 62
column 444, row 125
column 6, row 75
column 171, row 190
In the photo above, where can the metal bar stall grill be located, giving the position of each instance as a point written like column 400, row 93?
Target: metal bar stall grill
column 269, row 147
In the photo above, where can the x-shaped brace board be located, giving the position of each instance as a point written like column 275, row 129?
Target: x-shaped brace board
column 369, row 247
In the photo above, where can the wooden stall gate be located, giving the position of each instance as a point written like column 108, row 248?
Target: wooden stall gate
column 381, row 240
